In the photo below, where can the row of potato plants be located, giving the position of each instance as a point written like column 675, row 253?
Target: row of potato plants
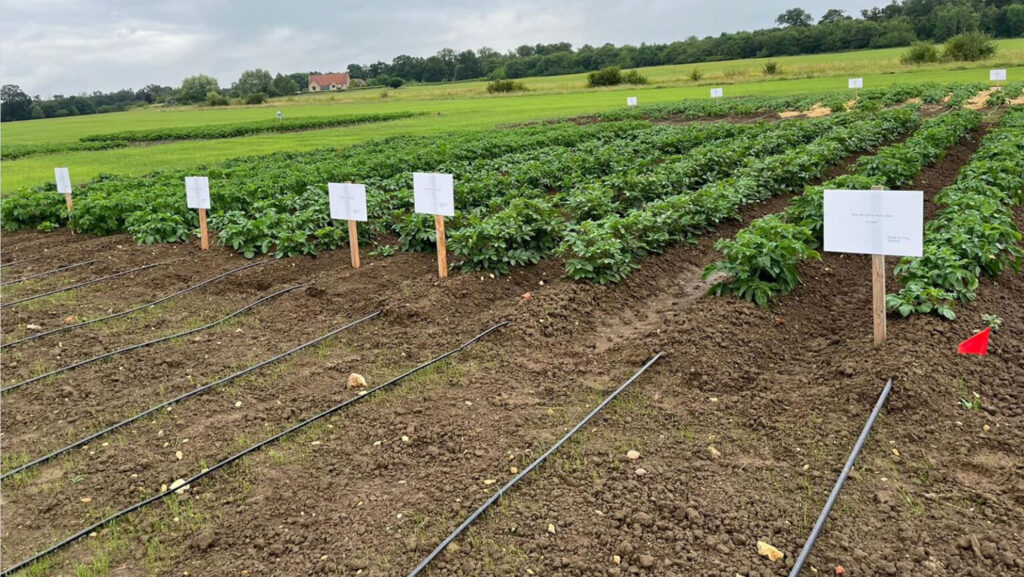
column 152, row 207
column 974, row 233
column 277, row 203
column 606, row 251
column 16, row 151
column 761, row 262
column 236, row 129
column 498, row 237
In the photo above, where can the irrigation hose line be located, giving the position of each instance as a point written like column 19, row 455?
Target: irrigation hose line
column 820, row 523
column 243, row 453
column 182, row 397
column 6, row 264
column 494, row 498
column 49, row 272
column 79, row 285
column 136, row 309
column 129, row 348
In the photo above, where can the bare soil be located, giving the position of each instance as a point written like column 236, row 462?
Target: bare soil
column 742, row 427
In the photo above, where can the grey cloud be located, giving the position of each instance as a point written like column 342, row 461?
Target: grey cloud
column 73, row 46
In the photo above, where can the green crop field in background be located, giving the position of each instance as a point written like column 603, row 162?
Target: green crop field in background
column 455, row 107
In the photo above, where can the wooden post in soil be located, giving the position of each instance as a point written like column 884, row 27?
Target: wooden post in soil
column 71, row 204
column 204, row 236
column 353, row 243
column 442, row 250
column 878, row 292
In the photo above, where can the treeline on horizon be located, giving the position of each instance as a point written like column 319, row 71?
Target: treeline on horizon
column 900, row 23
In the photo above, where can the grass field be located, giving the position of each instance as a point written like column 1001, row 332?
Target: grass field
column 456, row 106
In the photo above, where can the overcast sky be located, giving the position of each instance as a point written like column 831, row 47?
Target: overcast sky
column 73, row 46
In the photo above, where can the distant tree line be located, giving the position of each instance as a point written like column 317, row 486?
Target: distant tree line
column 900, row 23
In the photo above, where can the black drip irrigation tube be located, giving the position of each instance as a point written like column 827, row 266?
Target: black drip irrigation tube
column 79, row 285
column 135, row 309
column 494, row 498
column 46, row 273
column 109, row 354
column 820, row 523
column 7, row 264
column 182, row 397
column 85, row 532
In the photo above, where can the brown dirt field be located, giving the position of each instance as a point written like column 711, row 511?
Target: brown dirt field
column 780, row 394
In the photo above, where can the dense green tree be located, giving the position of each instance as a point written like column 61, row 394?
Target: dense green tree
column 1015, row 20
column 832, row 16
column 14, row 104
column 794, row 17
column 284, row 85
column 256, row 81
column 195, row 88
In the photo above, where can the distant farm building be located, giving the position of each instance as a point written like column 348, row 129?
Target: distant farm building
column 328, row 82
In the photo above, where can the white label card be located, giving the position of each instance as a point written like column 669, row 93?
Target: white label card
column 855, row 83
column 716, row 93
column 434, row 193
column 63, row 177
column 997, row 74
column 197, row 191
column 886, row 222
column 631, row 101
column 348, row 201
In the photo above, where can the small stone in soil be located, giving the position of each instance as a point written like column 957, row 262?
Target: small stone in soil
column 766, row 550
column 551, row 528
column 632, row 455
column 640, row 472
column 355, row 381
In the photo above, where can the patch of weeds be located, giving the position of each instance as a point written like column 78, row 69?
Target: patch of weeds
column 992, row 321
column 969, row 401
column 915, row 506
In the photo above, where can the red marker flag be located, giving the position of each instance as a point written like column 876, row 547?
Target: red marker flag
column 976, row 345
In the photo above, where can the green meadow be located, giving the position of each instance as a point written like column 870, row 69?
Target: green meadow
column 457, row 107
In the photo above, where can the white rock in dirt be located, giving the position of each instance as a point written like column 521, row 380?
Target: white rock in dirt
column 238, row 404
column 640, row 472
column 632, row 455
column 32, row 327
column 405, row 438
column 490, row 481
column 715, row 453
column 179, row 455
column 356, row 381
column 551, row 528
column 616, row 559
column 179, row 486
column 766, row 550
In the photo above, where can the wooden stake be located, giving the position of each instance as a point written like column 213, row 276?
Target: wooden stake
column 204, row 239
column 353, row 243
column 67, row 199
column 878, row 296
column 442, row 251
column 878, row 292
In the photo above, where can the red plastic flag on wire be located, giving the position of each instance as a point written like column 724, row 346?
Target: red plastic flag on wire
column 976, row 345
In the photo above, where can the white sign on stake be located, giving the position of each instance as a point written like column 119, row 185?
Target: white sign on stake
column 882, row 222
column 855, row 83
column 716, row 93
column 197, row 192
column 434, row 193
column 63, row 177
column 631, row 101
column 348, row 201
column 996, row 75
